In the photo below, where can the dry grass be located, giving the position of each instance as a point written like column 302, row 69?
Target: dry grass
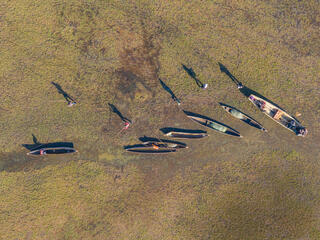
column 262, row 187
column 270, row 195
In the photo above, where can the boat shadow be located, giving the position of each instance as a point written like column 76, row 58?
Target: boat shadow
column 209, row 119
column 244, row 90
column 134, row 145
column 37, row 145
column 182, row 130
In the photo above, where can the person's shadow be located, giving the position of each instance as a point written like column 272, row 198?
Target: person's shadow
column 243, row 89
column 192, row 74
column 116, row 111
column 63, row 93
column 165, row 87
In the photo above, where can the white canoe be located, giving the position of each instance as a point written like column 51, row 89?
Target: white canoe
column 278, row 115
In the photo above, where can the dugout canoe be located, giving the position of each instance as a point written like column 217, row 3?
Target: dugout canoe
column 167, row 144
column 204, row 121
column 243, row 117
column 279, row 115
column 186, row 135
column 48, row 151
column 152, row 148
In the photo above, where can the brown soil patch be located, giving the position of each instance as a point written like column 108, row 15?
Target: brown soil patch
column 140, row 66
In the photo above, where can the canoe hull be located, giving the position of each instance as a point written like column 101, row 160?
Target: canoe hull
column 142, row 148
column 166, row 144
column 243, row 117
column 214, row 125
column 183, row 135
column 51, row 151
column 151, row 151
column 279, row 115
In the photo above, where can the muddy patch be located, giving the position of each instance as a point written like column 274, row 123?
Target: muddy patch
column 138, row 74
column 132, row 87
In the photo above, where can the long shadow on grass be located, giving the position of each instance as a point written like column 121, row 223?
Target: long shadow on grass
column 192, row 74
column 37, row 145
column 244, row 90
column 63, row 93
column 165, row 87
column 116, row 111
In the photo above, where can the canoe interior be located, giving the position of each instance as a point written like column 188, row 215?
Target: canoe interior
column 166, row 144
column 152, row 150
column 186, row 135
column 277, row 114
column 243, row 117
column 214, row 125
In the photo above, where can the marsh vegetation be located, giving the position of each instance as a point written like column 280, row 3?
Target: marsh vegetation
column 263, row 186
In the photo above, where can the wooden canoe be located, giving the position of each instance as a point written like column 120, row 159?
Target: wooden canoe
column 153, row 148
column 278, row 115
column 186, row 135
column 56, row 150
column 221, row 128
column 243, row 117
column 166, row 144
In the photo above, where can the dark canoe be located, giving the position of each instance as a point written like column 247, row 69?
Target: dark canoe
column 167, row 144
column 186, row 135
column 57, row 150
column 243, row 117
column 221, row 128
column 149, row 149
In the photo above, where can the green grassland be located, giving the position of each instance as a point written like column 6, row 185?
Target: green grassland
column 264, row 186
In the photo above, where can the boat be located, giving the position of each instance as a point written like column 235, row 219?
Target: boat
column 243, row 117
column 168, row 144
column 219, row 127
column 53, row 150
column 186, row 135
column 150, row 148
column 279, row 115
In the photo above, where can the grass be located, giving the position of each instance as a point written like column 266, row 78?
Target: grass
column 100, row 52
column 266, row 196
